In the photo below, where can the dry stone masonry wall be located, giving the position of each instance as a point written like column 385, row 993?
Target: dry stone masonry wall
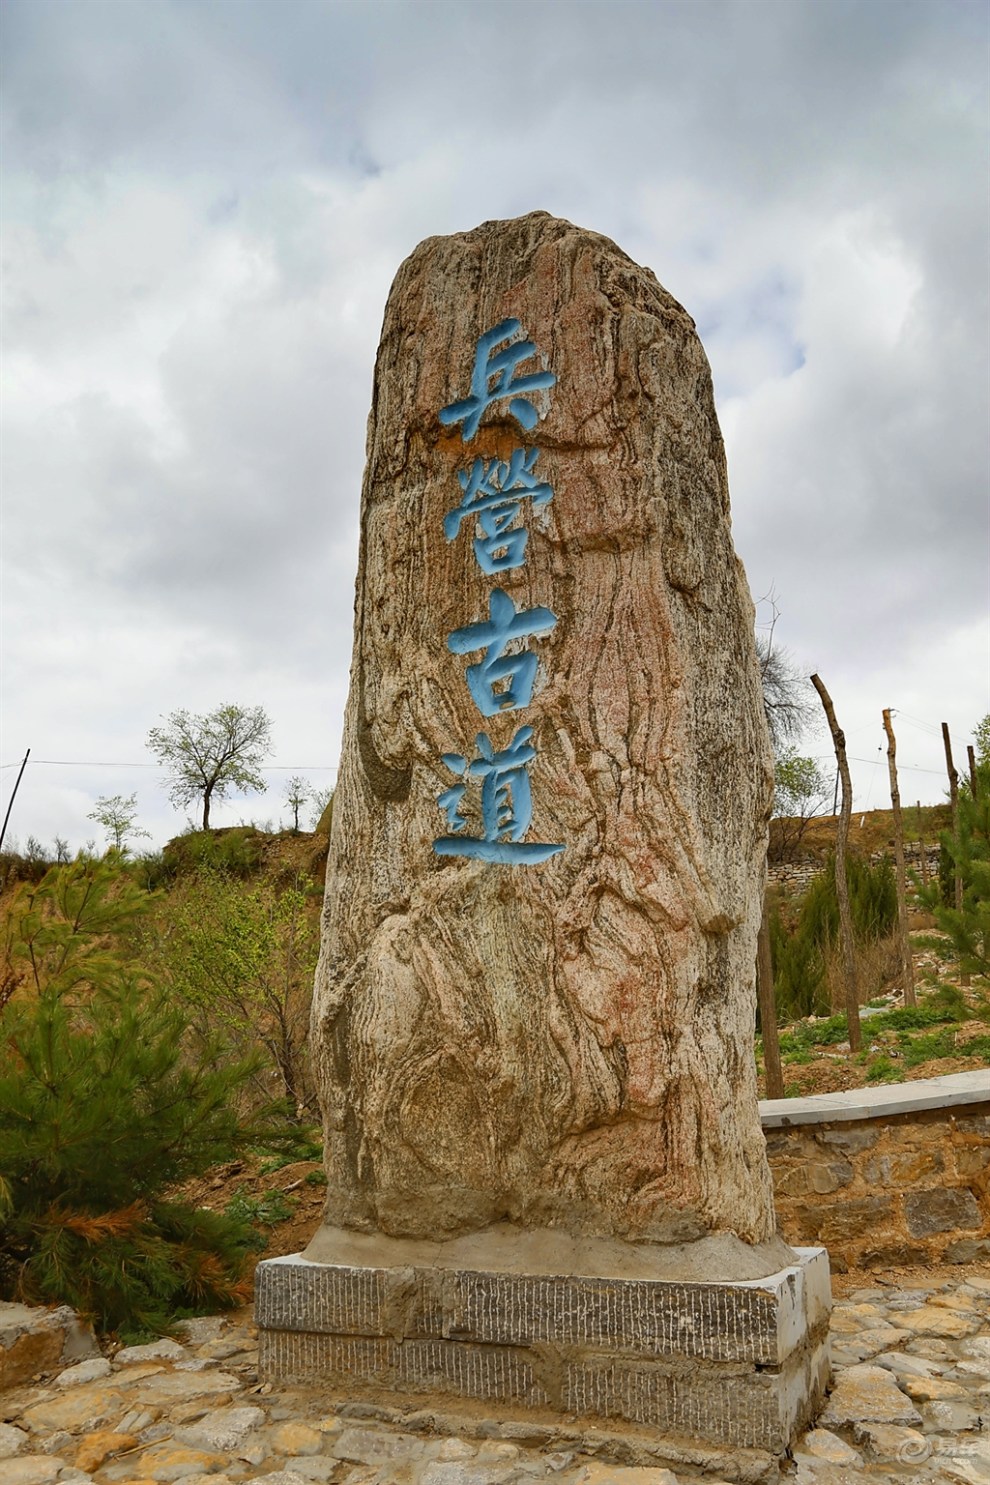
column 893, row 1189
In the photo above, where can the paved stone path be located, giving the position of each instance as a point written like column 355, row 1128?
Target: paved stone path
column 911, row 1403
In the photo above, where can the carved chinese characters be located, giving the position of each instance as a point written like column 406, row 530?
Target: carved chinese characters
column 536, row 990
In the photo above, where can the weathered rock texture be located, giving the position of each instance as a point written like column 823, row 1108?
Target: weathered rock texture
column 566, row 1045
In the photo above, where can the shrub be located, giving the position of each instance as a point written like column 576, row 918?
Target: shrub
column 235, row 851
column 102, row 1112
column 966, row 854
column 803, row 956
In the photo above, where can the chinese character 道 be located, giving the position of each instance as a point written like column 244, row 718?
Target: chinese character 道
column 506, row 804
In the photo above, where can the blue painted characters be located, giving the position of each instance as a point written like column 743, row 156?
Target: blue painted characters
column 506, row 804
column 500, row 367
column 505, row 623
column 493, row 495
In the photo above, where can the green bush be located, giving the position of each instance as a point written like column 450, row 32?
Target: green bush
column 872, row 902
column 268, row 1209
column 235, row 850
column 104, row 1109
column 800, row 953
column 882, row 1070
column 798, row 970
column 805, row 1034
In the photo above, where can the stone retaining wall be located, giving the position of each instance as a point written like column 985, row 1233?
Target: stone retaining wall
column 885, row 1176
column 795, row 877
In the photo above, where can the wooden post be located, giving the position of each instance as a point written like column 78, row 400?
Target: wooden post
column 954, row 802
column 10, row 802
column 922, row 847
column 907, row 964
column 768, row 1009
column 971, row 759
column 841, row 885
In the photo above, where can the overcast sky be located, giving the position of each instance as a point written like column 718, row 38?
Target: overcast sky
column 204, row 204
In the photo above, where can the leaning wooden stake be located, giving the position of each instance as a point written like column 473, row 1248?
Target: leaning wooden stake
column 954, row 802
column 907, row 964
column 768, row 1010
column 841, row 885
column 922, row 847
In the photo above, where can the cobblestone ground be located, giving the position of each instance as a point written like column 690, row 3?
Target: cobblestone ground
column 910, row 1403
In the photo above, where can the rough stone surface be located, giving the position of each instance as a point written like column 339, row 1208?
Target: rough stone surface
column 403, row 1441
column 34, row 1340
column 868, row 1394
column 222, row 1428
column 566, row 1045
column 31, row 1469
column 12, row 1441
column 909, row 1189
column 100, row 1446
column 84, row 1371
column 163, row 1350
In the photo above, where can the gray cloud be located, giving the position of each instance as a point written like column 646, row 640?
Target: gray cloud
column 205, row 204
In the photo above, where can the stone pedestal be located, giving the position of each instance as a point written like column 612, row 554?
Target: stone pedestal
column 735, row 1365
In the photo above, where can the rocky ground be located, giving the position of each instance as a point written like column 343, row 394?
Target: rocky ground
column 910, row 1403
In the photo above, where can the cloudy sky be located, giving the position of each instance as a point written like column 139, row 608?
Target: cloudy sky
column 204, row 203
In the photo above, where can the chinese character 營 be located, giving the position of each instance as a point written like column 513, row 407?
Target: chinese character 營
column 493, row 492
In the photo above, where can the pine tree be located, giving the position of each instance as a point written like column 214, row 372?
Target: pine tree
column 967, row 850
column 104, row 1107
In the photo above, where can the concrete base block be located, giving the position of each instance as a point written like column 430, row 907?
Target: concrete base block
column 737, row 1365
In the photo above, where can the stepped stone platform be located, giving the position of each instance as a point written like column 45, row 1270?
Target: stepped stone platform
column 739, row 1364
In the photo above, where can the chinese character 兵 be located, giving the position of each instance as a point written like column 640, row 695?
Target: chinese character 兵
column 493, row 492
column 493, row 378
column 505, row 623
column 506, row 804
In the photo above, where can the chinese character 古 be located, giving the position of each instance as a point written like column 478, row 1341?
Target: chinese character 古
column 505, row 623
column 506, row 804
column 493, row 492
column 493, row 378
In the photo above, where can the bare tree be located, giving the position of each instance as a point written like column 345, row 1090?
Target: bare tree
column 841, row 884
column 789, row 708
column 907, row 964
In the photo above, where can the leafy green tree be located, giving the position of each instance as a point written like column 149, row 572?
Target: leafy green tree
column 243, row 959
column 117, row 815
column 320, row 799
column 208, row 756
column 800, row 792
column 104, row 1107
column 967, row 850
column 981, row 740
column 297, row 792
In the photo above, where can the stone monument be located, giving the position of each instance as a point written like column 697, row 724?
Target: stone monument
column 534, row 1009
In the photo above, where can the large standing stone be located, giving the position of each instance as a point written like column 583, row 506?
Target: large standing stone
column 566, row 1045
